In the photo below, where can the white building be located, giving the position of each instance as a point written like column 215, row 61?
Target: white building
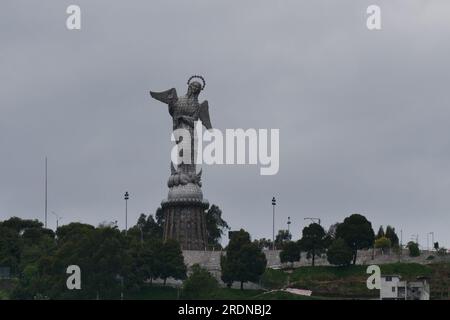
column 393, row 288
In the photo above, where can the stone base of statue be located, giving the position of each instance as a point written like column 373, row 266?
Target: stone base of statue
column 184, row 212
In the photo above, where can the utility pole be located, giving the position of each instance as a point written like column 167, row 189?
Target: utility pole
column 274, row 203
column 126, row 197
column 289, row 224
column 46, row 202
column 401, row 239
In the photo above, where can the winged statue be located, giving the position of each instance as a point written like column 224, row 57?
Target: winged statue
column 185, row 111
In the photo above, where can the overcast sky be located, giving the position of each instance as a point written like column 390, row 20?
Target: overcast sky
column 363, row 115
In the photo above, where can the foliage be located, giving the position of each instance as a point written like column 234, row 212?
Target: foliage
column 392, row 236
column 380, row 233
column 215, row 226
column 243, row 261
column 331, row 233
column 200, row 284
column 171, row 261
column 148, row 227
column 274, row 279
column 413, row 248
column 339, row 253
column 313, row 240
column 110, row 260
column 290, row 252
column 263, row 243
column 282, row 237
column 382, row 243
column 357, row 232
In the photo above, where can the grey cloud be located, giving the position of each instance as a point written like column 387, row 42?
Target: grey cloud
column 363, row 116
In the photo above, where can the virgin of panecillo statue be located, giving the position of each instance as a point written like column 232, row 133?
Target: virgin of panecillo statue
column 184, row 208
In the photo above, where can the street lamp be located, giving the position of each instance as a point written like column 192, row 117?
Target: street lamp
column 274, row 203
column 126, row 197
column 289, row 224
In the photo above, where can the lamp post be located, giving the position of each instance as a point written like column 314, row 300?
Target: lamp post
column 289, row 224
column 274, row 203
column 46, row 194
column 126, row 197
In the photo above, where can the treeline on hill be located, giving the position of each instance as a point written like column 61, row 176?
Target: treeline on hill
column 111, row 261
column 114, row 261
column 340, row 243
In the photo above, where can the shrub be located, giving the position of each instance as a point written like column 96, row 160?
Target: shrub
column 413, row 248
column 339, row 253
column 383, row 243
column 290, row 252
column 200, row 284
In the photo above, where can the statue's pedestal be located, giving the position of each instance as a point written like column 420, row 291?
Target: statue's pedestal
column 184, row 212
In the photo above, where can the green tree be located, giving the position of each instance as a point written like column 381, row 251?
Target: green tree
column 392, row 236
column 244, row 261
column 200, row 284
column 11, row 246
column 331, row 235
column 170, row 261
column 357, row 232
column 339, row 253
column 19, row 225
column 263, row 243
column 436, row 246
column 413, row 248
column 146, row 264
column 290, row 252
column 99, row 252
column 380, row 233
column 23, row 242
column 383, row 243
column 282, row 237
column 147, row 227
column 313, row 240
column 215, row 226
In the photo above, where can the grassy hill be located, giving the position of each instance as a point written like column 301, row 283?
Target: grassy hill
column 325, row 282
column 350, row 282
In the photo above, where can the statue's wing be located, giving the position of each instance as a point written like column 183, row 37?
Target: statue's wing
column 168, row 96
column 204, row 114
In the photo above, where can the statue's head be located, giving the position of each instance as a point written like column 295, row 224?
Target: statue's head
column 194, row 87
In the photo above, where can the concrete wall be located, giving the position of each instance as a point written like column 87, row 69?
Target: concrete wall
column 211, row 259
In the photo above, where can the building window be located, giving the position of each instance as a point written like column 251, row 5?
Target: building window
column 393, row 289
column 388, row 278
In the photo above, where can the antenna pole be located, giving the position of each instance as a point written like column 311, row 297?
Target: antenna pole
column 46, row 182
